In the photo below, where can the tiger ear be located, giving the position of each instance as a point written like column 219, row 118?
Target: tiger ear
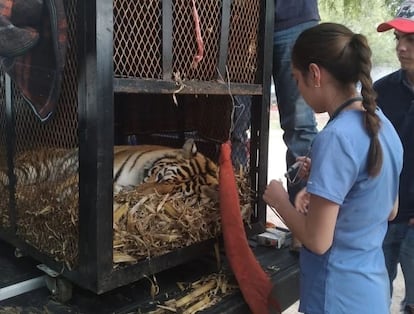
column 189, row 148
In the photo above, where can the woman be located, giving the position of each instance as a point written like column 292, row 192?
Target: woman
column 353, row 172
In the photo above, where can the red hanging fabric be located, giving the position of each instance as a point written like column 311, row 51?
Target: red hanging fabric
column 254, row 283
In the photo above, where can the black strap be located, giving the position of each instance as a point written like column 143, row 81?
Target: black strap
column 343, row 106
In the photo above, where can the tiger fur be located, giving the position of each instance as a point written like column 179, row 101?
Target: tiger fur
column 147, row 168
column 43, row 165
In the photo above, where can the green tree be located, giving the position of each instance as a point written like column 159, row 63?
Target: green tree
column 352, row 7
column 363, row 16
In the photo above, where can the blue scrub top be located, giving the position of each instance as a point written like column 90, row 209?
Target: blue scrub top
column 351, row 276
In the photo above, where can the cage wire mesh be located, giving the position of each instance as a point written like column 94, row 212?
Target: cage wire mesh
column 138, row 46
column 46, row 211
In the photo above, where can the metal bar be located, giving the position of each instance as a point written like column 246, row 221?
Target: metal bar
column 95, row 140
column 261, row 108
column 167, row 38
column 11, row 146
column 266, row 49
column 224, row 37
column 22, row 287
column 151, row 86
column 103, row 114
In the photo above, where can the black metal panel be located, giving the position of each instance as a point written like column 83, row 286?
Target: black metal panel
column 155, row 265
column 28, row 250
column 95, row 141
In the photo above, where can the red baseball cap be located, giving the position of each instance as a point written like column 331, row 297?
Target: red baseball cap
column 404, row 20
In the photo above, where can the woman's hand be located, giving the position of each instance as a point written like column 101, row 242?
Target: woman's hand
column 275, row 194
column 305, row 167
column 302, row 201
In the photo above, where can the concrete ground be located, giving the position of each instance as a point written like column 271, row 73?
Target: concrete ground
column 276, row 169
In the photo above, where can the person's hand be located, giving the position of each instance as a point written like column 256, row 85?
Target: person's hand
column 275, row 194
column 305, row 166
column 302, row 201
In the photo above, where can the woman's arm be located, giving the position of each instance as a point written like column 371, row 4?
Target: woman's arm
column 320, row 224
column 302, row 201
column 316, row 229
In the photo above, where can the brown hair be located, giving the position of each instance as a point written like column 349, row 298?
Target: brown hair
column 347, row 57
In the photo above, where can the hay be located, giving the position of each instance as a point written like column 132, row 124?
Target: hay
column 154, row 224
column 196, row 296
column 145, row 225
column 149, row 225
column 47, row 218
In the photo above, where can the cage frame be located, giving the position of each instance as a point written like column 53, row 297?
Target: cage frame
column 96, row 88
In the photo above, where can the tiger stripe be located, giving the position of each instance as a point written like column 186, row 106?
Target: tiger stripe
column 184, row 169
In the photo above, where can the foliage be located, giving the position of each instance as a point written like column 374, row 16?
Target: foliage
column 352, row 7
column 363, row 16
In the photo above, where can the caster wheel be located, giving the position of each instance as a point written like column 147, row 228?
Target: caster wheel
column 18, row 253
column 60, row 288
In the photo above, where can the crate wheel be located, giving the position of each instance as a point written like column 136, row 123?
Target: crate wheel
column 60, row 288
column 18, row 253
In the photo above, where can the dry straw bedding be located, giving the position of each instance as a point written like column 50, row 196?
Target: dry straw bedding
column 145, row 226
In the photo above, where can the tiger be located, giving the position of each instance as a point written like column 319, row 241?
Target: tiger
column 147, row 168
column 165, row 170
column 42, row 165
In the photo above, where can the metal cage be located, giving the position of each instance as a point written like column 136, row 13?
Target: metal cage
column 128, row 64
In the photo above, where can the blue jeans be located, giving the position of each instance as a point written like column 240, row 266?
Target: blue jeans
column 297, row 119
column 398, row 247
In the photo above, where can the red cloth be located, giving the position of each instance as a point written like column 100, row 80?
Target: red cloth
column 254, row 283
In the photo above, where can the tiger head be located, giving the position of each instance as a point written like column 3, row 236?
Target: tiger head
column 189, row 171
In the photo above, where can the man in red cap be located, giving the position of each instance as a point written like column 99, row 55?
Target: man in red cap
column 396, row 99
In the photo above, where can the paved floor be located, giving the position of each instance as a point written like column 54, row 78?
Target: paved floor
column 276, row 168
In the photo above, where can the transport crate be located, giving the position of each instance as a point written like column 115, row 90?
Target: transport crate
column 130, row 77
